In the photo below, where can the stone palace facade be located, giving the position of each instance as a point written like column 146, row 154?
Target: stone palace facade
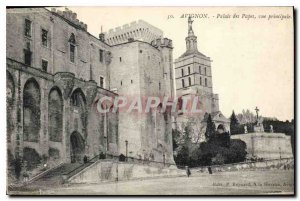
column 56, row 73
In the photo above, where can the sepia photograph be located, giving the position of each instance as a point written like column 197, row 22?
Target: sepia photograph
column 150, row 101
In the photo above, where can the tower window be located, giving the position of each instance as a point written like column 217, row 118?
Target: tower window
column 44, row 37
column 204, row 71
column 200, row 80
column 101, row 55
column 205, row 82
column 101, row 82
column 190, row 81
column 131, row 81
column 159, row 86
column 200, row 69
column 44, row 65
column 182, row 72
column 182, row 82
column 72, row 53
column 27, row 29
column 121, row 83
column 120, row 59
column 189, row 70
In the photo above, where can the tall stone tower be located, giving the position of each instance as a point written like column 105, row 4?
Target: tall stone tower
column 193, row 74
column 193, row 77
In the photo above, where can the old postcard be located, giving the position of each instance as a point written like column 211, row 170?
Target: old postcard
column 150, row 100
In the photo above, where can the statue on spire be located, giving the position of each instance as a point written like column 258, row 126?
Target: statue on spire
column 190, row 22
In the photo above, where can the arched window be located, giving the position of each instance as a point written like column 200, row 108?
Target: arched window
column 72, row 47
column 55, row 115
column 190, row 81
column 205, row 82
column 31, row 111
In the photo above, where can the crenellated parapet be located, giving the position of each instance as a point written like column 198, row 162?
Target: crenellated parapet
column 70, row 16
column 137, row 30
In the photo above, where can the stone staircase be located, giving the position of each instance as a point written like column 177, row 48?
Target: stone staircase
column 54, row 177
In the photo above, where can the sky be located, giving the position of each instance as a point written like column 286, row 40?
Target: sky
column 253, row 58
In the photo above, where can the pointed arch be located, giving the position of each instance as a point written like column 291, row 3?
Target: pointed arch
column 31, row 110
column 10, row 94
column 55, row 115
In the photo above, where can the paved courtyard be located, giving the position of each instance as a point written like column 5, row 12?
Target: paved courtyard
column 243, row 182
column 221, row 183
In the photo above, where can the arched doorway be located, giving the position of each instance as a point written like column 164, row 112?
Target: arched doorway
column 77, row 147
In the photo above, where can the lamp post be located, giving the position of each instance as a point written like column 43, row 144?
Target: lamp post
column 126, row 144
column 280, row 153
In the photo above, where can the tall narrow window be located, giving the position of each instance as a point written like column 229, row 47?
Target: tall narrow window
column 27, row 29
column 102, row 82
column 205, row 82
column 159, row 86
column 120, row 59
column 200, row 80
column 101, row 55
column 182, row 82
column 190, row 81
column 189, row 70
column 72, row 43
column 204, row 71
column 72, row 53
column 44, row 65
column 182, row 72
column 199, row 69
column 45, row 37
column 27, row 55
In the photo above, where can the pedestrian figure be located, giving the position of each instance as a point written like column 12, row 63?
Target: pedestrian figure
column 209, row 170
column 188, row 171
column 85, row 159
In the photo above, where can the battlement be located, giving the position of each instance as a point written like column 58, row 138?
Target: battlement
column 70, row 16
column 137, row 30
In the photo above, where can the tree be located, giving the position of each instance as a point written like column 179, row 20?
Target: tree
column 234, row 124
column 215, row 153
column 182, row 156
column 210, row 129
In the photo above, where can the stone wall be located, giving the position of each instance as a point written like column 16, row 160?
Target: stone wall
column 105, row 170
column 73, row 118
column 87, row 64
column 267, row 145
